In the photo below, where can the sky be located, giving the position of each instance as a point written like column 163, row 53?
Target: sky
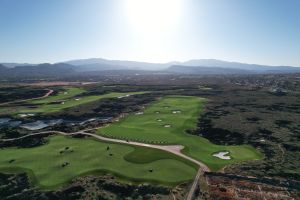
column 250, row 31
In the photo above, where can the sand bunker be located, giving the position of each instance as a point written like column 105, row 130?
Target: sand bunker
column 139, row 113
column 26, row 115
column 176, row 111
column 120, row 97
column 167, row 125
column 222, row 155
column 159, row 120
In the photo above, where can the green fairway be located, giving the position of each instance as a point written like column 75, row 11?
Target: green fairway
column 166, row 120
column 66, row 99
column 66, row 94
column 48, row 108
column 44, row 163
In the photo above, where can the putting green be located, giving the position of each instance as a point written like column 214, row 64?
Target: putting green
column 44, row 163
column 166, row 120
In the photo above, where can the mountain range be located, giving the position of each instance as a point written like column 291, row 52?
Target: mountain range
column 104, row 66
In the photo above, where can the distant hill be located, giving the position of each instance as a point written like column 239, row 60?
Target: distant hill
column 2, row 67
column 237, row 65
column 46, row 68
column 99, row 66
column 12, row 65
column 179, row 69
column 118, row 64
column 41, row 70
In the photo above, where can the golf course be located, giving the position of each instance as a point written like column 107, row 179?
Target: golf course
column 69, row 97
column 165, row 122
column 63, row 158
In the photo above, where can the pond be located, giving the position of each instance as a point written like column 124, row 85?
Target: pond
column 37, row 125
column 4, row 120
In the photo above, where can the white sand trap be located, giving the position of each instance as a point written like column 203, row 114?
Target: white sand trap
column 167, row 125
column 176, row 111
column 222, row 155
column 65, row 92
column 157, row 112
column 139, row 113
column 77, row 99
column 63, row 102
column 26, row 115
column 120, row 97
column 159, row 120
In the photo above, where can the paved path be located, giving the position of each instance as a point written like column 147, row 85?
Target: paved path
column 18, row 101
column 194, row 186
column 32, row 134
column 174, row 149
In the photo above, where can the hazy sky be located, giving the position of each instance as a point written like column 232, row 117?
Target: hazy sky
column 252, row 31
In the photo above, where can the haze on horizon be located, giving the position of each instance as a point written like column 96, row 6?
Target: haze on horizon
column 256, row 31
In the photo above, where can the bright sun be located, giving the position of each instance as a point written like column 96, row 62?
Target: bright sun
column 153, row 16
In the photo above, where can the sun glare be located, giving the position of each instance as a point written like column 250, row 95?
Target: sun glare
column 152, row 16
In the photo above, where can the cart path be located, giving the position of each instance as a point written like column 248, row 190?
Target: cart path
column 195, row 184
column 174, row 149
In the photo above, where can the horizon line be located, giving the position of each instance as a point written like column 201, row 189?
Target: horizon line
column 149, row 62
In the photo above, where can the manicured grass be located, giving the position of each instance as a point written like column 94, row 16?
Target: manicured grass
column 44, row 163
column 66, row 94
column 147, row 128
column 49, row 108
column 70, row 100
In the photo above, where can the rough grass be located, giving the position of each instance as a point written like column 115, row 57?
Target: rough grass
column 44, row 163
column 147, row 128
